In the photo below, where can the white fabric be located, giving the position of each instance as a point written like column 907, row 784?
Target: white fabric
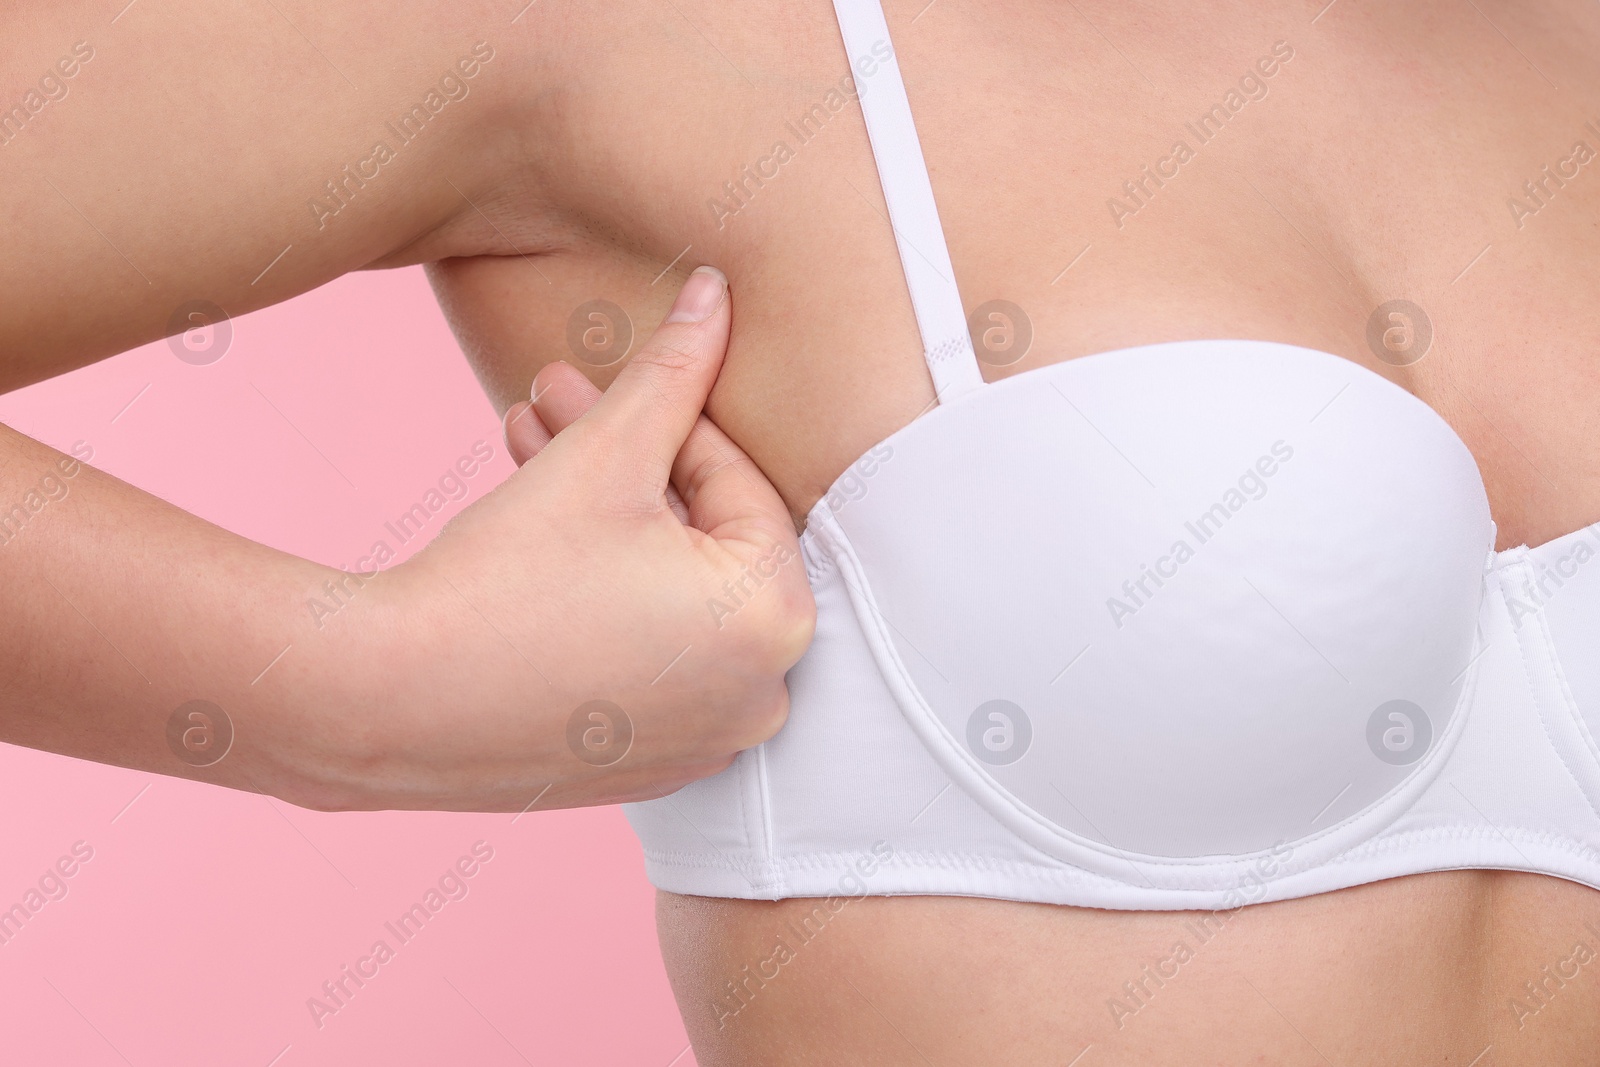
column 931, row 280
column 1239, row 606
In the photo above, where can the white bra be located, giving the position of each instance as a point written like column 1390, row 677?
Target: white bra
column 1182, row 626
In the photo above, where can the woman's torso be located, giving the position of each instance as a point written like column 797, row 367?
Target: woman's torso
column 1384, row 158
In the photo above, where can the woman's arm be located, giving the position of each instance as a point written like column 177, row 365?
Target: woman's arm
column 118, row 609
column 162, row 153
column 555, row 645
column 173, row 152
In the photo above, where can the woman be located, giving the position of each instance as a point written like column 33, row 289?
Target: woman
column 1367, row 182
column 1118, row 177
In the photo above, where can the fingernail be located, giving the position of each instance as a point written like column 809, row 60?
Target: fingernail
column 701, row 295
column 534, row 392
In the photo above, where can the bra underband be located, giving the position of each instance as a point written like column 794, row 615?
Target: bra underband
column 1189, row 625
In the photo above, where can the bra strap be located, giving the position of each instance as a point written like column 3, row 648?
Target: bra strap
column 924, row 257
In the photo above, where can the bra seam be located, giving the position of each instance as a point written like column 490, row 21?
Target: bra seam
column 1528, row 835
column 764, row 815
column 1539, row 702
column 1570, row 705
column 1076, row 362
column 1062, row 871
column 849, row 564
column 1560, row 675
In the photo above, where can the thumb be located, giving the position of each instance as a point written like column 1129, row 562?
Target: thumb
column 650, row 409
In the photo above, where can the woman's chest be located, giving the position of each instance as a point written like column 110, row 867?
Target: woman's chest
column 1416, row 189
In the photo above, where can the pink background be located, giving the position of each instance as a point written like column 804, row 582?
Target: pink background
column 207, row 918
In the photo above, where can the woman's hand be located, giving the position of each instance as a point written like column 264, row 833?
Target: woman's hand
column 611, row 623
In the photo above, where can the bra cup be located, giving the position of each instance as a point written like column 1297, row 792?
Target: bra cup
column 1184, row 602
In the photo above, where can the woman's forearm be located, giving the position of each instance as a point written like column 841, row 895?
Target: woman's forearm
column 125, row 618
column 556, row 645
column 154, row 158
column 236, row 155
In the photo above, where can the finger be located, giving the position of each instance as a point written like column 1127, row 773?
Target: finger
column 726, row 494
column 562, row 395
column 525, row 434
column 679, row 508
column 653, row 404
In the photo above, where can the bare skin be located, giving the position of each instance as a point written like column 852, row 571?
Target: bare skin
column 550, row 648
column 1377, row 167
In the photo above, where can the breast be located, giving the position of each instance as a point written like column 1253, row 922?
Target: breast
column 1185, row 601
